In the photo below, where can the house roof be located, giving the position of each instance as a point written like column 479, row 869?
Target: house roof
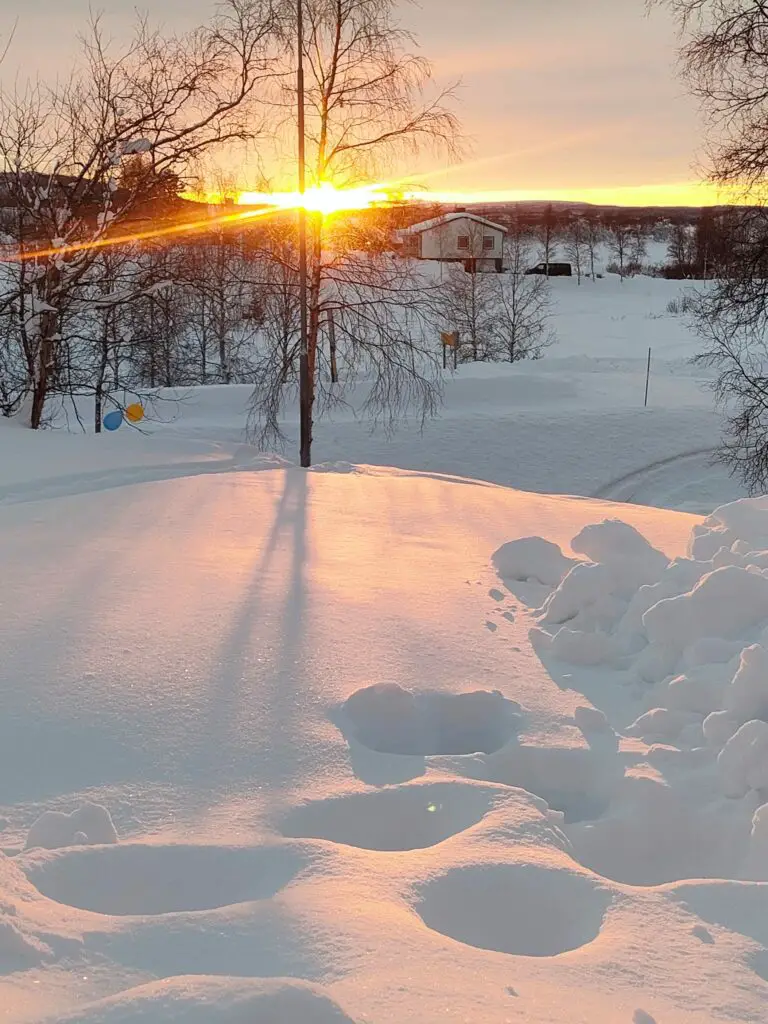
column 436, row 222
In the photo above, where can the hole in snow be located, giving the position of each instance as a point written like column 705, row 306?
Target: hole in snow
column 403, row 818
column 142, row 879
column 390, row 720
column 521, row 909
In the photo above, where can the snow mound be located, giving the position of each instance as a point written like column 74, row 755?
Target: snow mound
column 724, row 603
column 408, row 817
column 629, row 606
column 520, row 909
column 205, row 1000
column 743, row 761
column 139, row 879
column 744, row 522
column 690, row 639
column 655, row 834
column 89, row 824
column 613, row 541
column 391, row 720
column 532, row 560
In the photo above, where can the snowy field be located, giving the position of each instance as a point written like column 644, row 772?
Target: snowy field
column 372, row 745
column 572, row 422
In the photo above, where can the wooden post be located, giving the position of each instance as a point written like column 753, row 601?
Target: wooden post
column 647, row 378
column 455, row 349
column 445, row 356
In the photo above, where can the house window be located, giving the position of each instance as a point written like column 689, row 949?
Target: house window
column 462, row 242
column 488, row 242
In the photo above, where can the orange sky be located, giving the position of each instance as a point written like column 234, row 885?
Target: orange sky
column 559, row 99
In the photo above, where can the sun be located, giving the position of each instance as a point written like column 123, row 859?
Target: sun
column 325, row 199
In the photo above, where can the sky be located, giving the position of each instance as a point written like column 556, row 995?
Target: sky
column 559, row 98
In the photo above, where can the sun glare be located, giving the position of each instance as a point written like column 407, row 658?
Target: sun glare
column 325, row 199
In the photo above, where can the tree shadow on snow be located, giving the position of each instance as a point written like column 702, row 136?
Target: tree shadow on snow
column 273, row 693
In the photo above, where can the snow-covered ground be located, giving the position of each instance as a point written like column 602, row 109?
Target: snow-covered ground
column 573, row 422
column 385, row 745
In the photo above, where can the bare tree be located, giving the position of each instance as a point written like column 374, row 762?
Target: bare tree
column 500, row 317
column 594, row 235
column 725, row 59
column 156, row 105
column 467, row 303
column 680, row 256
column 523, row 328
column 367, row 101
column 548, row 232
column 638, row 247
column 576, row 246
column 620, row 246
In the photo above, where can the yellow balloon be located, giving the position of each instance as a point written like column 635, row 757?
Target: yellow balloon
column 134, row 413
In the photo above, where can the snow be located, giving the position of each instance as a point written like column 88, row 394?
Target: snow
column 90, row 823
column 373, row 745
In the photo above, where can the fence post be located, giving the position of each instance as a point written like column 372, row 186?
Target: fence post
column 647, row 378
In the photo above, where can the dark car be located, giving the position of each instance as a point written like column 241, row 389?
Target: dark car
column 552, row 269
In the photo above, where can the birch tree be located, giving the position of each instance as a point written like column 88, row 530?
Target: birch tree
column 158, row 103
column 369, row 100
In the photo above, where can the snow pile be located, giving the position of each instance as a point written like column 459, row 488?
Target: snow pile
column 90, row 824
column 693, row 632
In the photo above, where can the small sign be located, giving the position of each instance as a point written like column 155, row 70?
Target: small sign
column 451, row 340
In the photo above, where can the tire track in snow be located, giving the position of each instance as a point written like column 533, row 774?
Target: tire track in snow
column 624, row 488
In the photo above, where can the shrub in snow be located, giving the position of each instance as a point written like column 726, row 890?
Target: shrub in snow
column 532, row 559
column 89, row 824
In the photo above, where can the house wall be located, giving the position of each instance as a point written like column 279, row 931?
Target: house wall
column 442, row 242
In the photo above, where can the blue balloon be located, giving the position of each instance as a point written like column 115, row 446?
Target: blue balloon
column 113, row 419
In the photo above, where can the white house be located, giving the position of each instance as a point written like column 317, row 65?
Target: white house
column 457, row 237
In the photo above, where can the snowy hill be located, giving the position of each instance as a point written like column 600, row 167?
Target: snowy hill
column 343, row 783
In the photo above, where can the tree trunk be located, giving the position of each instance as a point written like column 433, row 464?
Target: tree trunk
column 313, row 331
column 332, row 346
column 46, row 355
